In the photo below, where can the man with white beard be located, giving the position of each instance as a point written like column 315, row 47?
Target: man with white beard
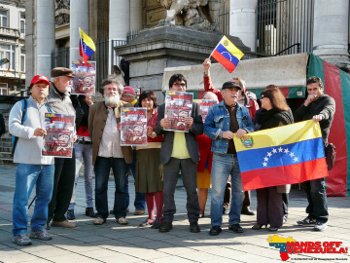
column 107, row 153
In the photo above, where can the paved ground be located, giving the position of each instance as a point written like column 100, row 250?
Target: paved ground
column 114, row 243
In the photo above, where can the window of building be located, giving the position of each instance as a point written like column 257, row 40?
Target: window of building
column 4, row 18
column 23, row 22
column 8, row 51
column 23, row 62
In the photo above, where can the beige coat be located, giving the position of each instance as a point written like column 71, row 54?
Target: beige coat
column 97, row 120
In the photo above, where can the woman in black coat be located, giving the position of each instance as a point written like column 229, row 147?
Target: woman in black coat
column 274, row 112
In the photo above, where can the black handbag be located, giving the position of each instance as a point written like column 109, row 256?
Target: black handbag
column 330, row 153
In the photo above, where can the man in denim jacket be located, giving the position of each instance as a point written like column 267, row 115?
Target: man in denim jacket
column 224, row 121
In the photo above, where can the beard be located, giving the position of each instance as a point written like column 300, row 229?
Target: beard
column 112, row 101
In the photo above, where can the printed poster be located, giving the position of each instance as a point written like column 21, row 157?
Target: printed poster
column 204, row 106
column 178, row 106
column 84, row 78
column 59, row 139
column 133, row 126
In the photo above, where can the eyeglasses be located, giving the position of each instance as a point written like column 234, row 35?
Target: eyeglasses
column 182, row 84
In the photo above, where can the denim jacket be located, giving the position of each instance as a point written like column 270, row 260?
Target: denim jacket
column 218, row 121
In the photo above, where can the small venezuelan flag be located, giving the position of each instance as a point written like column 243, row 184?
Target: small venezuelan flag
column 284, row 155
column 227, row 54
column 87, row 46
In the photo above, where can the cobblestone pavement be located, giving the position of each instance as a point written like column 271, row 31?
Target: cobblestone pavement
column 115, row 243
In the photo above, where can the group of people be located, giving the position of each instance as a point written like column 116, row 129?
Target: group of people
column 204, row 156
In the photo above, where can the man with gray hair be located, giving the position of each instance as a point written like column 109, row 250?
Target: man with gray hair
column 107, row 153
column 60, row 102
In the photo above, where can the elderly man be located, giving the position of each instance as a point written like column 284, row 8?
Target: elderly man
column 26, row 123
column 61, row 103
column 179, row 152
column 107, row 153
column 225, row 120
column 319, row 107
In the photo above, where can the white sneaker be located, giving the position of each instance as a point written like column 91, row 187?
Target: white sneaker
column 122, row 221
column 319, row 226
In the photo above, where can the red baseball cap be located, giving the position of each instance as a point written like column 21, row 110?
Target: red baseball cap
column 39, row 78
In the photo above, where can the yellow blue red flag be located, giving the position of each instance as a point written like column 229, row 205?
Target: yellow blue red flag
column 227, row 54
column 284, row 155
column 87, row 46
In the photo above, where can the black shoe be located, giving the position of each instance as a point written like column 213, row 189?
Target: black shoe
column 307, row 221
column 70, row 214
column 89, row 211
column 246, row 211
column 165, row 227
column 215, row 230
column 194, row 228
column 156, row 224
column 273, row 229
column 236, row 228
column 285, row 219
column 258, row 226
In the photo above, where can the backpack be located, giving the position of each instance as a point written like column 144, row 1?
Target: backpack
column 330, row 153
column 14, row 139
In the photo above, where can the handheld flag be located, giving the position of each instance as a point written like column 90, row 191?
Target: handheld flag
column 87, row 46
column 227, row 54
column 284, row 155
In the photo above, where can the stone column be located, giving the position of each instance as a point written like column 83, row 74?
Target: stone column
column 119, row 26
column 40, row 37
column 79, row 17
column 135, row 15
column 243, row 21
column 330, row 35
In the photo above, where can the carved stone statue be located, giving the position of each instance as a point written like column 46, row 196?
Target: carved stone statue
column 200, row 14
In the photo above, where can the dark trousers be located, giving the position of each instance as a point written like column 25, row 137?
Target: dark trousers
column 285, row 199
column 317, row 199
column 189, row 176
column 270, row 207
column 140, row 198
column 102, row 169
column 246, row 200
column 63, row 188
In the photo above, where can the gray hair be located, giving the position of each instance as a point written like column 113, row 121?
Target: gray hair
column 112, row 81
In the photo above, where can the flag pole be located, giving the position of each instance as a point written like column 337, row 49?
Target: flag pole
column 216, row 47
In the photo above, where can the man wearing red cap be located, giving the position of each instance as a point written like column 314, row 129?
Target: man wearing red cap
column 26, row 123
column 61, row 103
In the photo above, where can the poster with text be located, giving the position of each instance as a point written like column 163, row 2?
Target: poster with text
column 133, row 126
column 84, row 78
column 178, row 106
column 204, row 106
column 59, row 139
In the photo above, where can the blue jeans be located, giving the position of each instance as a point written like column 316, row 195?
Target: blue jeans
column 223, row 166
column 83, row 156
column 27, row 175
column 102, row 169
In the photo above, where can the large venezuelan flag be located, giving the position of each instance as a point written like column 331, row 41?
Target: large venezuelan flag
column 284, row 155
column 227, row 54
column 87, row 46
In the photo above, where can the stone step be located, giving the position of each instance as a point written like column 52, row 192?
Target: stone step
column 5, row 155
column 5, row 149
